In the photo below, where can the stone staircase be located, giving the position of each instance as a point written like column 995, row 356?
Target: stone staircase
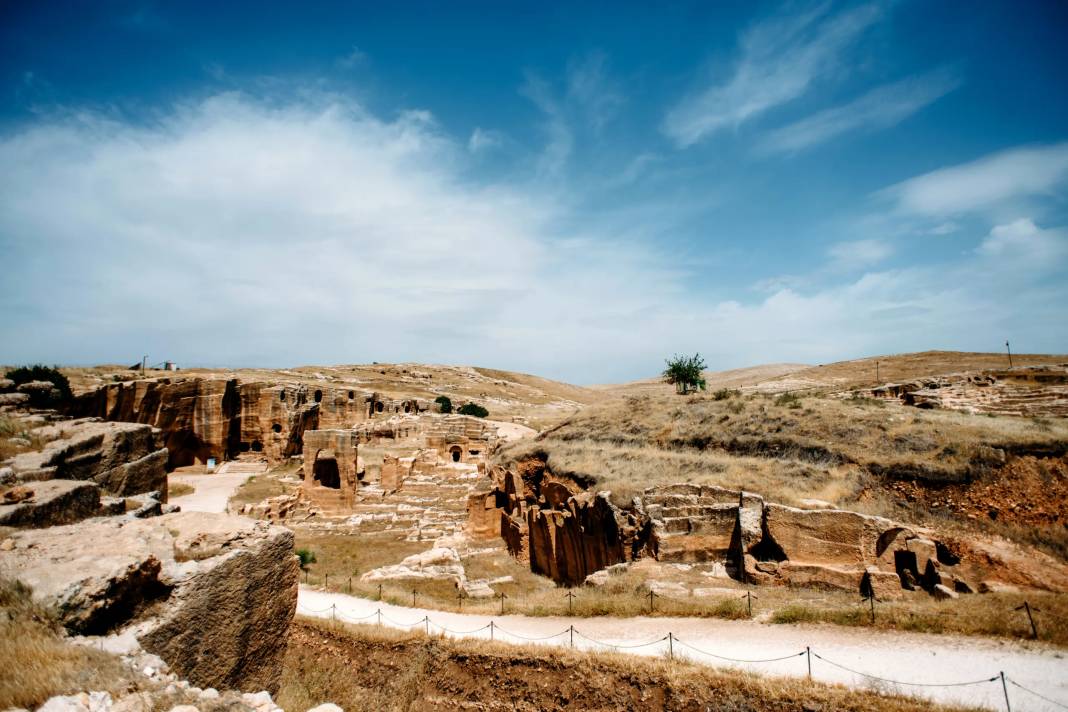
column 696, row 522
column 427, row 505
column 242, row 466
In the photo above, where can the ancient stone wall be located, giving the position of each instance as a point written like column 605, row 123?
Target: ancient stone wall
column 204, row 418
column 331, row 476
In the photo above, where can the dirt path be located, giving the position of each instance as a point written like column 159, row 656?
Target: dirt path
column 911, row 657
column 211, row 492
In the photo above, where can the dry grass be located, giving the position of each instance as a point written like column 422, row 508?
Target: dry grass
column 360, row 667
column 179, row 489
column 12, row 428
column 36, row 662
column 792, row 447
column 260, row 487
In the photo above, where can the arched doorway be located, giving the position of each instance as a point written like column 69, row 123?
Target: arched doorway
column 325, row 471
column 456, row 453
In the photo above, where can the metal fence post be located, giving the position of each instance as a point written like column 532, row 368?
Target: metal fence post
column 571, row 632
column 671, row 645
column 1005, row 689
column 808, row 656
column 491, row 630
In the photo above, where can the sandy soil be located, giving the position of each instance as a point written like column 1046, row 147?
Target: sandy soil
column 915, row 658
column 510, row 432
column 211, row 492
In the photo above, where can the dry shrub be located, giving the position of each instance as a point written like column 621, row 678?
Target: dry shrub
column 36, row 662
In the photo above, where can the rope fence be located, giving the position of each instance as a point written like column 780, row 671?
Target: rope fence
column 671, row 639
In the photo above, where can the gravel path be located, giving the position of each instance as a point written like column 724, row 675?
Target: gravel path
column 912, row 657
column 212, row 492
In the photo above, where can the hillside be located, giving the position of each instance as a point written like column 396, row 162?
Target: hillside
column 1003, row 474
column 505, row 394
column 895, row 368
column 733, row 378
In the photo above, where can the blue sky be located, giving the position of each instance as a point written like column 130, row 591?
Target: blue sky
column 574, row 192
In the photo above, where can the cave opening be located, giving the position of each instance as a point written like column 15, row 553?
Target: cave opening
column 318, row 396
column 257, row 446
column 277, row 427
column 379, row 407
column 456, row 453
column 326, row 473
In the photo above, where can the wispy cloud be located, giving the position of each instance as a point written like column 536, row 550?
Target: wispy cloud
column 1022, row 242
column 984, row 184
column 482, row 140
column 780, row 60
column 589, row 85
column 559, row 139
column 353, row 58
column 878, row 109
column 858, row 254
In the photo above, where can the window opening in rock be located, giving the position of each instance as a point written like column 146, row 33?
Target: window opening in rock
column 352, row 395
column 257, row 446
column 276, row 428
column 379, row 407
column 326, row 473
column 318, row 396
column 456, row 454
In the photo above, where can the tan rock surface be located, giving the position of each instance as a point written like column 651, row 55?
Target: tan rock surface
column 211, row 594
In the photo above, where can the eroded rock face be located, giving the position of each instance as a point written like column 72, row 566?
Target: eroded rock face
column 211, row 594
column 51, row 503
column 218, row 418
column 122, row 458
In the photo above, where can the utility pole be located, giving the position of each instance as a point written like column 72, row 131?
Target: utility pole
column 1008, row 350
column 877, row 372
column 144, row 360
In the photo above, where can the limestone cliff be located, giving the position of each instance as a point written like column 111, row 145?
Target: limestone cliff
column 219, row 418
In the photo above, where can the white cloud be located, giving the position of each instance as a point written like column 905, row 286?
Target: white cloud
column 244, row 232
column 1023, row 243
column 858, row 254
column 985, row 184
column 780, row 61
column 878, row 109
column 589, row 86
column 484, row 140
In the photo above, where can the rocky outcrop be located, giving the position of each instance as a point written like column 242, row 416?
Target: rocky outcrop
column 213, row 595
column 122, row 458
column 570, row 543
column 50, row 503
column 203, row 418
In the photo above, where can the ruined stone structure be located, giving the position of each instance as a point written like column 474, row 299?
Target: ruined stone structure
column 460, row 438
column 568, row 534
column 331, row 476
column 203, row 418
column 1025, row 390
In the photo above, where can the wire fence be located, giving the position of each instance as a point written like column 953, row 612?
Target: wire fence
column 494, row 630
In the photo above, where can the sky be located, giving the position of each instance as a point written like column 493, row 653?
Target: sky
column 576, row 192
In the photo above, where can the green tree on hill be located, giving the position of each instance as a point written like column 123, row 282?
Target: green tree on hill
column 473, row 409
column 445, row 402
column 685, row 372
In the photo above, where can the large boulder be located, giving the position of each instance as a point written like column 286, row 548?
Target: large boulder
column 50, row 503
column 123, row 458
column 211, row 594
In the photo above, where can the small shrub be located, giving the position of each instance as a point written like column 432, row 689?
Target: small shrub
column 445, row 402
column 39, row 372
column 306, row 556
column 725, row 394
column 473, row 409
column 789, row 400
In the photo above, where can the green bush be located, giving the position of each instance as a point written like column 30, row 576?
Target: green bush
column 790, row 400
column 473, row 409
column 306, row 556
column 445, row 402
column 40, row 372
column 686, row 373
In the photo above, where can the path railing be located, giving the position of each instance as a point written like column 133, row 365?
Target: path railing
column 495, row 630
